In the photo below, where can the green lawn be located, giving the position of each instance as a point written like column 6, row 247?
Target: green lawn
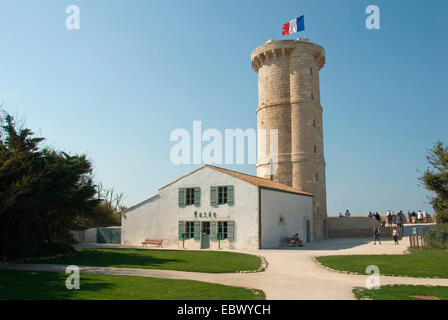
column 419, row 263
column 197, row 261
column 28, row 285
column 402, row 292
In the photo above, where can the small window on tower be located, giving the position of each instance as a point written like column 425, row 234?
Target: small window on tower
column 312, row 96
column 316, row 176
column 314, row 122
column 315, row 149
column 311, row 71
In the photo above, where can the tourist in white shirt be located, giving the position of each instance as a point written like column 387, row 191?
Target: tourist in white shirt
column 419, row 216
column 395, row 235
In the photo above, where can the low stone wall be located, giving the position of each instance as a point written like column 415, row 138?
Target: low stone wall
column 91, row 235
column 354, row 227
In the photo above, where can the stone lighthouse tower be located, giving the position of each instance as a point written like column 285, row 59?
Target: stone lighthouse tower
column 289, row 101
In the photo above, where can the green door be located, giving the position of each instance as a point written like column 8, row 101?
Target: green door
column 205, row 235
column 308, row 231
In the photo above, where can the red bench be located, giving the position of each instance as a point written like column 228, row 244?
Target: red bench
column 158, row 242
column 298, row 243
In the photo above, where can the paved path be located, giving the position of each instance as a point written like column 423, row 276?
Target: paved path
column 291, row 273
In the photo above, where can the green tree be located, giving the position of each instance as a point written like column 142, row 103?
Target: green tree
column 435, row 179
column 42, row 191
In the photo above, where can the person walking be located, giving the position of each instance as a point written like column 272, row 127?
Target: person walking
column 376, row 235
column 395, row 235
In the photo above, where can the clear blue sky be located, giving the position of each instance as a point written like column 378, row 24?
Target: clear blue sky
column 138, row 69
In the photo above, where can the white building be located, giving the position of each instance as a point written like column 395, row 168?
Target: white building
column 212, row 207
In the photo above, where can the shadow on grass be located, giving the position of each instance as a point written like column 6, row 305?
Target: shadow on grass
column 196, row 261
column 29, row 285
column 112, row 258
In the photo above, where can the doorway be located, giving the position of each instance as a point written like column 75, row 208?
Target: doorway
column 308, row 231
column 205, row 238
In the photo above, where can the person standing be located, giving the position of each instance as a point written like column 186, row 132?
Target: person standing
column 402, row 220
column 395, row 235
column 425, row 216
column 409, row 217
column 376, row 235
column 347, row 213
column 389, row 218
column 413, row 217
column 419, row 216
column 377, row 216
column 398, row 220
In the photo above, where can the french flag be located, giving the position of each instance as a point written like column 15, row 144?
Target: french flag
column 293, row 26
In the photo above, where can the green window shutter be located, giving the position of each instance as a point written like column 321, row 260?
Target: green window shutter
column 181, row 201
column 213, row 230
column 197, row 230
column 230, row 230
column 230, row 195
column 181, row 229
column 197, row 196
column 213, row 199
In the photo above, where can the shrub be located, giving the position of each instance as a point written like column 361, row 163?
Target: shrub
column 46, row 249
column 442, row 216
column 437, row 236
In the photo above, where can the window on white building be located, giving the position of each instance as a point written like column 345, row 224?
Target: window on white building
column 222, row 195
column 189, row 196
column 189, row 229
column 222, row 229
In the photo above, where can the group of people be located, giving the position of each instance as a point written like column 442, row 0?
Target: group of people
column 375, row 215
column 400, row 218
column 376, row 235
column 347, row 214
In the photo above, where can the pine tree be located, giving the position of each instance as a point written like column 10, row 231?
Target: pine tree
column 435, row 179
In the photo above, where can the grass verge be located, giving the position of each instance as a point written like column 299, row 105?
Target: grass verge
column 196, row 261
column 418, row 263
column 29, row 285
column 402, row 292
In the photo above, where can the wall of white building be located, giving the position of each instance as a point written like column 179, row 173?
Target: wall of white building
column 282, row 215
column 140, row 222
column 159, row 217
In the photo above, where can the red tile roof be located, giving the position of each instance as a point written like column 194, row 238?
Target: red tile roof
column 254, row 180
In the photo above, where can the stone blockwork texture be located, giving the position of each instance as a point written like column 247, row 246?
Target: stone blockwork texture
column 355, row 227
column 289, row 101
